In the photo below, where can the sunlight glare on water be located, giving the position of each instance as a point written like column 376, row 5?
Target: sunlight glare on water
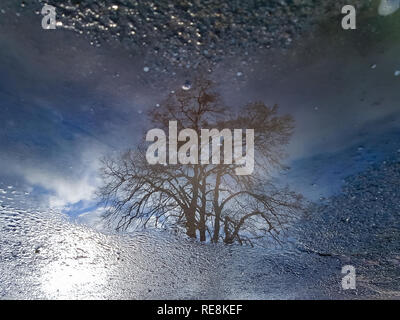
column 74, row 270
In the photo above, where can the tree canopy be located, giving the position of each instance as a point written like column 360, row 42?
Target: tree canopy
column 208, row 201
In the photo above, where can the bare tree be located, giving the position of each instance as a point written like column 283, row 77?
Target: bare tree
column 208, row 201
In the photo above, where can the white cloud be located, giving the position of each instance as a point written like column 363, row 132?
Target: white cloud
column 92, row 219
column 65, row 190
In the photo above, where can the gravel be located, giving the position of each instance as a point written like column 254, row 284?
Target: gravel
column 187, row 34
column 361, row 227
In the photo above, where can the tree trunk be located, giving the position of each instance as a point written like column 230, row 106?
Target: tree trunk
column 217, row 209
column 191, row 211
column 228, row 237
column 202, row 228
column 190, row 223
column 202, row 222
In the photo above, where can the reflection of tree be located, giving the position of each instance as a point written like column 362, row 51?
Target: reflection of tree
column 209, row 201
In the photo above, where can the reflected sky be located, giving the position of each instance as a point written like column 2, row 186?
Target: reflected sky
column 65, row 103
column 67, row 100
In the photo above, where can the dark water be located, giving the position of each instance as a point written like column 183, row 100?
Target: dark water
column 71, row 95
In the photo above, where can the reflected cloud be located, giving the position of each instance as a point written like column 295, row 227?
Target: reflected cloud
column 63, row 191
